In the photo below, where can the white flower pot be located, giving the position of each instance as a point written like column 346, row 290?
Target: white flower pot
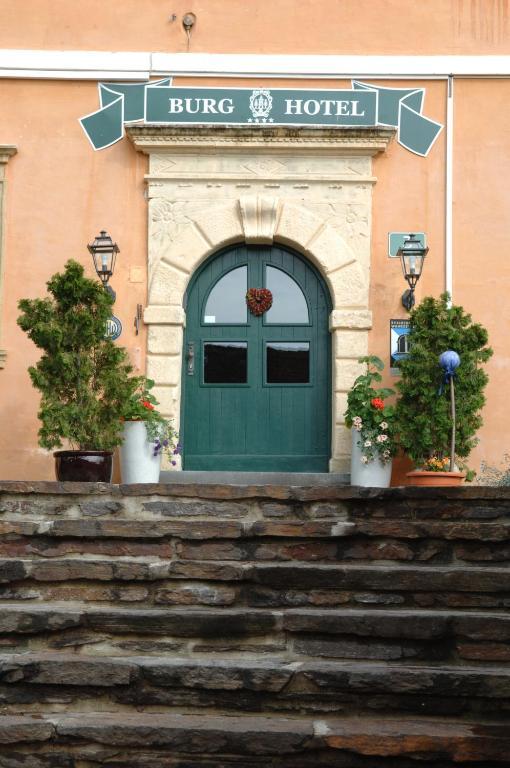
column 137, row 461
column 375, row 474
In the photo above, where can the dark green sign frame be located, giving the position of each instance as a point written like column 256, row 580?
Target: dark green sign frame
column 160, row 103
column 260, row 106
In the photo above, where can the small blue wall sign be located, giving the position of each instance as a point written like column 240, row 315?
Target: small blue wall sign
column 113, row 328
column 399, row 343
column 396, row 240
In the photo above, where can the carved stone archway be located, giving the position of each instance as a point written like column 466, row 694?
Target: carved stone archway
column 310, row 189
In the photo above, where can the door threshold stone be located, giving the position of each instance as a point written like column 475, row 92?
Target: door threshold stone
column 256, row 478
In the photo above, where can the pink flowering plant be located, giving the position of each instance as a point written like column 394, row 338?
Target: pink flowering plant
column 368, row 414
column 142, row 406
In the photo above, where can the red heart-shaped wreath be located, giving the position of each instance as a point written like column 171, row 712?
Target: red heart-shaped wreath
column 259, row 300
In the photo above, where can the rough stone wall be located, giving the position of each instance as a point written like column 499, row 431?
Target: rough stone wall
column 192, row 625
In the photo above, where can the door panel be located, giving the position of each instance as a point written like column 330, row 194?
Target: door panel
column 240, row 414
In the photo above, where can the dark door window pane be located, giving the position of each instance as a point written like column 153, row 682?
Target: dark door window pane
column 226, row 302
column 289, row 303
column 225, row 362
column 288, row 362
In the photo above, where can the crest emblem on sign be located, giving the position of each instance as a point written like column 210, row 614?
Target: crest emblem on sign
column 113, row 328
column 261, row 104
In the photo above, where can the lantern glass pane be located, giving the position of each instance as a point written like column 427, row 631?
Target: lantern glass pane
column 413, row 263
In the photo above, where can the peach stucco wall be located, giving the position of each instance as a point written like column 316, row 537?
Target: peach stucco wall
column 481, row 279
column 59, row 195
column 60, row 192
column 262, row 26
column 409, row 196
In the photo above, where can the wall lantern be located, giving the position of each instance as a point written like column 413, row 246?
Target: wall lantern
column 412, row 255
column 104, row 252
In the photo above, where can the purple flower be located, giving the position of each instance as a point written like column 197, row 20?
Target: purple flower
column 174, row 463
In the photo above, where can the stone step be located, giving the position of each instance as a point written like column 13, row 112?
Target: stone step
column 195, row 625
column 319, row 540
column 348, row 576
column 227, row 583
column 345, row 542
column 208, row 477
column 308, row 575
column 45, row 682
column 159, row 741
column 198, row 594
column 385, row 634
column 211, row 524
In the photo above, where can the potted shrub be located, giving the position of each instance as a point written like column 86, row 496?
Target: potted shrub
column 424, row 417
column 147, row 436
column 371, row 421
column 84, row 378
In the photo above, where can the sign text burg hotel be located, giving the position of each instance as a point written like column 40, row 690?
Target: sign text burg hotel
column 210, row 106
column 244, row 106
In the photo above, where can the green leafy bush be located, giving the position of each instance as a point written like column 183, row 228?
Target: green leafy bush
column 83, row 377
column 422, row 417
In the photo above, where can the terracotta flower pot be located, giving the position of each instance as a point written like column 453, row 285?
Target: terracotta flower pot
column 426, row 478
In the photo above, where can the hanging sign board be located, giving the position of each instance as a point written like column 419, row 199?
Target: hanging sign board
column 160, row 103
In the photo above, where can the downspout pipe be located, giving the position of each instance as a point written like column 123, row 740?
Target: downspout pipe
column 449, row 191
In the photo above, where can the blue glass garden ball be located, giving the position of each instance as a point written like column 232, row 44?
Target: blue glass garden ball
column 449, row 360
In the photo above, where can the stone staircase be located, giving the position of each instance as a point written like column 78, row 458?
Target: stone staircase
column 184, row 626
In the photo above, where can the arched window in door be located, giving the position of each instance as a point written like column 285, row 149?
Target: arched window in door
column 289, row 302
column 226, row 303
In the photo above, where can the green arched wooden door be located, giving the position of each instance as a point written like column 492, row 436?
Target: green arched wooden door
column 256, row 389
